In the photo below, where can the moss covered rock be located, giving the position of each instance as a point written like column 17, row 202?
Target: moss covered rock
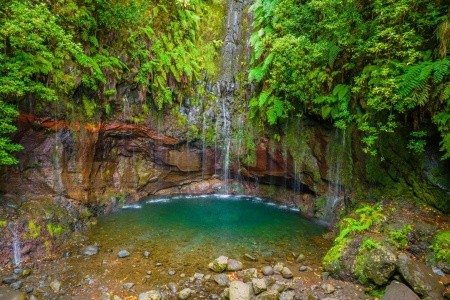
column 375, row 262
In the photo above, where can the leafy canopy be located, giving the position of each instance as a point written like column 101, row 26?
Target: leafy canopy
column 369, row 65
column 75, row 55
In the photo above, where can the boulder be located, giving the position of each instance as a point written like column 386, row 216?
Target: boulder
column 184, row 294
column 234, row 265
column 420, row 277
column 239, row 291
column 397, row 290
column 219, row 264
column 259, row 285
column 150, row 295
column 376, row 264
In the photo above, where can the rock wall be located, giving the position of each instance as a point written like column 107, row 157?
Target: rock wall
column 93, row 163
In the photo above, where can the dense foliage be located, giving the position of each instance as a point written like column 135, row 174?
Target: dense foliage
column 70, row 56
column 377, row 65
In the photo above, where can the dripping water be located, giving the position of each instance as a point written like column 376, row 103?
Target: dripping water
column 16, row 244
column 226, row 85
column 336, row 189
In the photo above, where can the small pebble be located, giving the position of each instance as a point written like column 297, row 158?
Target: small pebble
column 249, row 257
column 123, row 254
column 172, row 272
column 16, row 285
column 267, row 270
column 55, row 285
column 159, row 264
column 10, row 279
column 328, row 288
column 128, row 285
column 303, row 268
column 300, row 258
column 173, row 287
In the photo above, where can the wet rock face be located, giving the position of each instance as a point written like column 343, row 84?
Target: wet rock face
column 117, row 160
column 100, row 161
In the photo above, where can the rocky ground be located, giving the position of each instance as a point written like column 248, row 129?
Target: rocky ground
column 225, row 279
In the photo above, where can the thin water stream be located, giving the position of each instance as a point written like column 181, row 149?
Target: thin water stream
column 16, row 244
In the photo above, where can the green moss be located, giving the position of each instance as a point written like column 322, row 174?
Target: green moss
column 89, row 107
column 376, row 292
column 331, row 260
column 3, row 223
column 367, row 246
column 441, row 246
column 297, row 141
column 319, row 204
column 34, row 230
column 193, row 133
column 54, row 229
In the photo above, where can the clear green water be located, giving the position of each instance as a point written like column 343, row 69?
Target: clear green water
column 214, row 225
column 183, row 234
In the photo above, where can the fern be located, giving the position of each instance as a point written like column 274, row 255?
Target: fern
column 441, row 69
column 275, row 111
column 333, row 52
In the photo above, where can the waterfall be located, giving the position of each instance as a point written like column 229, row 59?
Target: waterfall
column 226, row 85
column 16, row 244
column 58, row 183
column 336, row 194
